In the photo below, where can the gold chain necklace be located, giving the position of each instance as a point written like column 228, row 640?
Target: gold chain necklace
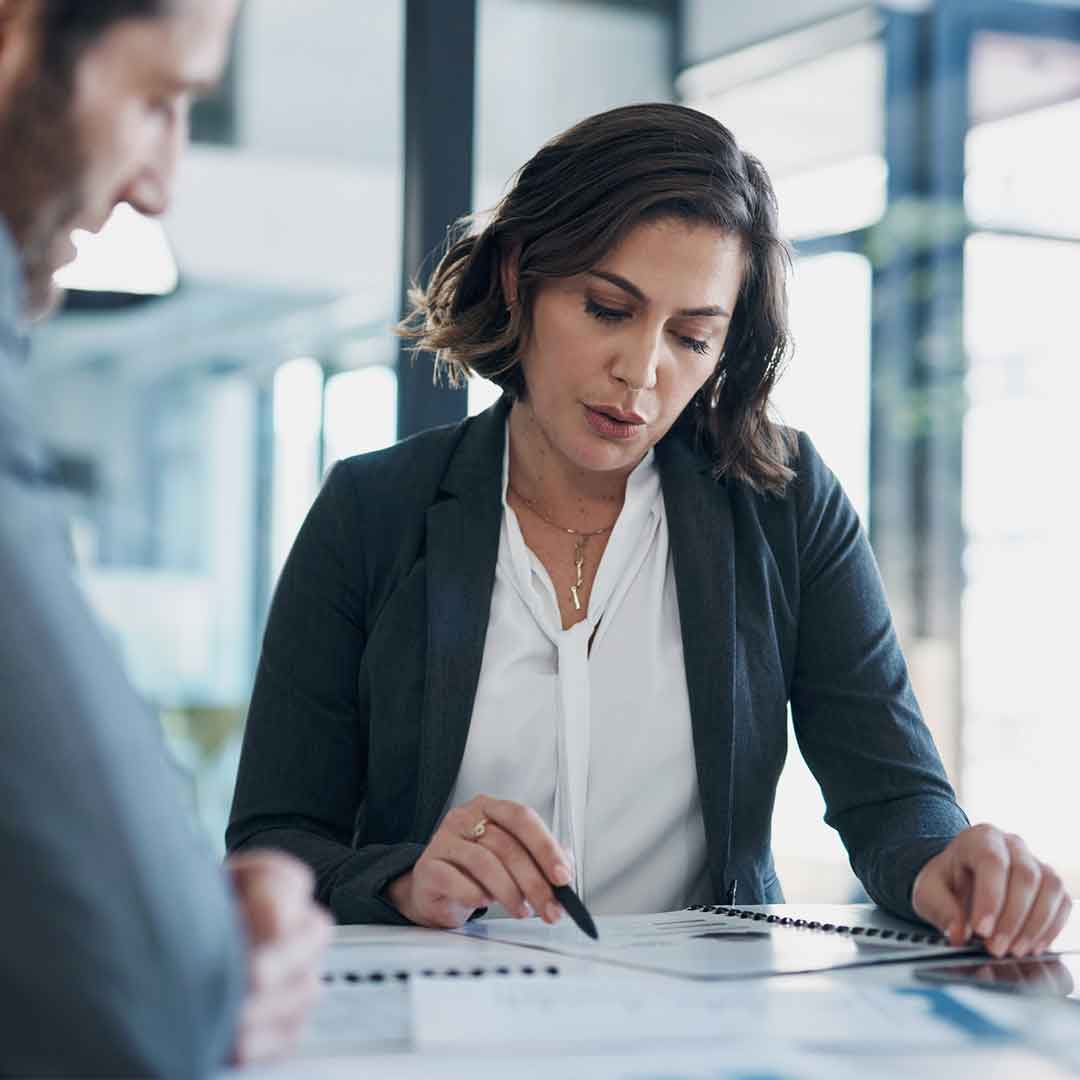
column 581, row 537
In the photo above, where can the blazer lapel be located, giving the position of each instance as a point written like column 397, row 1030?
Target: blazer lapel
column 703, row 554
column 462, row 545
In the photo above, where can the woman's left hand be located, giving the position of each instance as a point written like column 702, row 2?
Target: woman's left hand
column 988, row 882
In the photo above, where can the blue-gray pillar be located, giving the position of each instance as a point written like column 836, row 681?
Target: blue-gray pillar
column 440, row 79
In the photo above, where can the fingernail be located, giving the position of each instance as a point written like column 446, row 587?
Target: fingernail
column 998, row 945
column 1021, row 948
column 986, row 927
column 527, row 910
column 561, row 874
column 554, row 912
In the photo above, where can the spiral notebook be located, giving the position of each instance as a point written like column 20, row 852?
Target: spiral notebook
column 718, row 942
column 358, row 974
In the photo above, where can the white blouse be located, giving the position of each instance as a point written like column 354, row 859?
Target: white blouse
column 598, row 743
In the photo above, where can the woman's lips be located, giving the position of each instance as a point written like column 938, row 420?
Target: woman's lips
column 611, row 428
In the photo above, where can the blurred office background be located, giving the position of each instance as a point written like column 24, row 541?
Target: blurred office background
column 208, row 370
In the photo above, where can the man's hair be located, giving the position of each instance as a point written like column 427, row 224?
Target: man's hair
column 568, row 207
column 67, row 27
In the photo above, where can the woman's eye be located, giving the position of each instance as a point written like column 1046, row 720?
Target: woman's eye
column 695, row 344
column 604, row 314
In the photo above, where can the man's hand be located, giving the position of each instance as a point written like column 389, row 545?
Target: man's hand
column 287, row 933
column 987, row 882
column 486, row 850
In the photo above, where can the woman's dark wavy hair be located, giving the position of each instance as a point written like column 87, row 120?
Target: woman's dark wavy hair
column 568, row 207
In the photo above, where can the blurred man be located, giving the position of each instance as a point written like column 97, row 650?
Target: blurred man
column 123, row 948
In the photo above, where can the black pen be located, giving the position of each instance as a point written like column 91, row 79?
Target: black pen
column 575, row 909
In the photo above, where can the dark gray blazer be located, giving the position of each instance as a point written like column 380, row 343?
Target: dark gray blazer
column 120, row 954
column 373, row 649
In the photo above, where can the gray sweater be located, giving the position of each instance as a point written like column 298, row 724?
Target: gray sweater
column 120, row 953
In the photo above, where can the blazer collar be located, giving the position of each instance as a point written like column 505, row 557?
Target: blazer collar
column 701, row 534
column 462, row 549
column 475, row 469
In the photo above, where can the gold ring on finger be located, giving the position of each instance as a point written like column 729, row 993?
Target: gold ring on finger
column 478, row 830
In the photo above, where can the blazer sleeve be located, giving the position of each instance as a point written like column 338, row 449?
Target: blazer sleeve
column 856, row 719
column 122, row 955
column 303, row 767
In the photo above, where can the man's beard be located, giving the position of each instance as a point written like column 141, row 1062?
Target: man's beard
column 40, row 178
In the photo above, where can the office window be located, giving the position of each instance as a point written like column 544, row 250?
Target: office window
column 825, row 390
column 297, row 453
column 1022, row 169
column 543, row 65
column 1022, row 583
column 360, row 411
column 816, row 123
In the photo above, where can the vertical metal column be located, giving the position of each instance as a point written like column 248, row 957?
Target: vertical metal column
column 918, row 372
column 900, row 269
column 440, row 79
column 944, row 366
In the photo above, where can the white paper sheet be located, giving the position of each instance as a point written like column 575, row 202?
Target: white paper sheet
column 704, row 945
column 366, row 1019
column 365, row 1004
column 437, row 954
column 599, row 1010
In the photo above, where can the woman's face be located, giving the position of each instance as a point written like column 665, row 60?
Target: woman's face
column 616, row 353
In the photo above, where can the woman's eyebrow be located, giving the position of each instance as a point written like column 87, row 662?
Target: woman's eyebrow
column 628, row 286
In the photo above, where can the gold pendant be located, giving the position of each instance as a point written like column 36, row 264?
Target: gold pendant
column 579, row 564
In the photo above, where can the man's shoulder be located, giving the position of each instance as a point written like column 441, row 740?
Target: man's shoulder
column 33, row 528
column 21, row 452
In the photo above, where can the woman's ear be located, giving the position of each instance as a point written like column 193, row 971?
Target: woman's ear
column 508, row 272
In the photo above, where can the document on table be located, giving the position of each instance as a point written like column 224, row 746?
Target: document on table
column 598, row 1010
column 707, row 1061
column 352, row 1019
column 708, row 945
column 397, row 954
column 365, row 1005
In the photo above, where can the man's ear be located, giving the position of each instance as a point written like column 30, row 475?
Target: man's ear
column 17, row 44
column 508, row 271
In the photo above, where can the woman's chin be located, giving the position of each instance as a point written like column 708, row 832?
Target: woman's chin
column 596, row 454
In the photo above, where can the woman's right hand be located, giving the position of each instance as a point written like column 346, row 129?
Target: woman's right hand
column 512, row 859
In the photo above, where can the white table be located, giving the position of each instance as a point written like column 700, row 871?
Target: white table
column 364, row 1028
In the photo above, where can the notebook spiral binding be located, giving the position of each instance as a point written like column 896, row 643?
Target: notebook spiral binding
column 403, row 975
column 917, row 937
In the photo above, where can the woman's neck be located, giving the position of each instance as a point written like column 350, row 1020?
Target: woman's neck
column 573, row 497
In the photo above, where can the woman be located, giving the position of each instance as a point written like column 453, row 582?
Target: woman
column 559, row 641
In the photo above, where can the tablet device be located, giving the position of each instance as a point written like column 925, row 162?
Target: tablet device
column 1042, row 976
